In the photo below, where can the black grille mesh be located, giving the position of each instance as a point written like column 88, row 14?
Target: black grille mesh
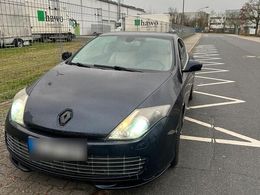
column 98, row 167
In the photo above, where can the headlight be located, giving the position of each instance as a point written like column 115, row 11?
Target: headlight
column 138, row 123
column 18, row 106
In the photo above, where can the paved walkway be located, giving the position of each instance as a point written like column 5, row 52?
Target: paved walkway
column 190, row 42
column 14, row 181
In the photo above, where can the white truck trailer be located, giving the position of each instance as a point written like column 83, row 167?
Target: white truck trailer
column 15, row 29
column 25, row 21
column 147, row 22
column 51, row 20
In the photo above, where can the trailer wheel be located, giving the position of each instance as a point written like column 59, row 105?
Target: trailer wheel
column 19, row 43
column 69, row 38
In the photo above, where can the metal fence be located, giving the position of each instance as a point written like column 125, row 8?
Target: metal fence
column 183, row 31
column 34, row 34
column 46, row 28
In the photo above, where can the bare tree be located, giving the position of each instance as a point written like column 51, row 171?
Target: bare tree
column 175, row 16
column 250, row 13
column 202, row 19
column 233, row 21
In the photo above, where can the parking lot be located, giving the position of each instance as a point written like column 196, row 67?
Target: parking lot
column 220, row 147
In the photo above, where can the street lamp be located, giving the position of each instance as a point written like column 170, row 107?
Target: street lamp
column 183, row 6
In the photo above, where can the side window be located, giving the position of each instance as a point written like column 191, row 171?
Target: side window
column 182, row 53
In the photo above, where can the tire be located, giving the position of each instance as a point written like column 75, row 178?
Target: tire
column 19, row 43
column 69, row 37
column 177, row 143
column 177, row 147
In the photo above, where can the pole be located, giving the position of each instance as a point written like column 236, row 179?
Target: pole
column 119, row 10
column 81, row 18
column 183, row 8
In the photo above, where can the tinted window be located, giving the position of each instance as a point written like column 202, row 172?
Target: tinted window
column 128, row 51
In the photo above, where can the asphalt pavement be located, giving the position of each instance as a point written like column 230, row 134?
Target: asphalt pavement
column 220, row 147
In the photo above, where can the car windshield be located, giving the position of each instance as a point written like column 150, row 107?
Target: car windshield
column 134, row 52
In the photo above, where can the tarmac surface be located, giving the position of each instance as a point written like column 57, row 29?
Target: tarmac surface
column 220, row 147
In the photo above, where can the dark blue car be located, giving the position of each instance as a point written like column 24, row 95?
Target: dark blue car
column 110, row 114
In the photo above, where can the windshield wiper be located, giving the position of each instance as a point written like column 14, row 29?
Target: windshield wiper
column 80, row 64
column 120, row 68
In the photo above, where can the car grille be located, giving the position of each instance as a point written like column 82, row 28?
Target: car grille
column 95, row 167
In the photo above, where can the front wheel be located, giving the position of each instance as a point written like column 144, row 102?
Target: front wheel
column 177, row 148
column 177, row 142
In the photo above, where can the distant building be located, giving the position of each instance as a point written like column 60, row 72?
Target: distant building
column 230, row 22
column 217, row 23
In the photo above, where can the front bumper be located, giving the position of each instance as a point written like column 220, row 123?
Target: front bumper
column 110, row 165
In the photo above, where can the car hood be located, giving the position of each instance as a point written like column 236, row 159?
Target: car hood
column 99, row 99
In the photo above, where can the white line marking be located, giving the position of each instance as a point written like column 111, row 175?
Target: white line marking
column 199, row 139
column 222, row 81
column 250, row 141
column 217, row 96
column 205, row 64
column 232, row 101
column 201, row 53
column 215, row 105
column 213, row 71
column 218, row 83
column 203, row 56
column 220, row 141
column 234, row 134
column 238, row 143
column 206, row 58
column 211, row 78
column 250, row 56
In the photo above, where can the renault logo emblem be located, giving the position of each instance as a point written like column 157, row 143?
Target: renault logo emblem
column 65, row 117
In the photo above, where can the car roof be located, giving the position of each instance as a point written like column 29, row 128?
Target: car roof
column 146, row 34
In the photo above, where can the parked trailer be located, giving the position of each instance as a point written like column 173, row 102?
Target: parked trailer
column 51, row 20
column 147, row 22
column 15, row 27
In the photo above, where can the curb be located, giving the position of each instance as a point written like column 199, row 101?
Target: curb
column 189, row 51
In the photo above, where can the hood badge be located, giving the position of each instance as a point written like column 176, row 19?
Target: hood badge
column 65, row 116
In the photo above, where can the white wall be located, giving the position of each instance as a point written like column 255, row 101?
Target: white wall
column 109, row 14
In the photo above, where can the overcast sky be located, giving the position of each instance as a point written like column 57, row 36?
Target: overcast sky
column 190, row 5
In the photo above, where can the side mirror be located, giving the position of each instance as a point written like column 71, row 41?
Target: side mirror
column 66, row 55
column 192, row 66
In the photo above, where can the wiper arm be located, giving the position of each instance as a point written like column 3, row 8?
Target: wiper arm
column 80, row 64
column 116, row 68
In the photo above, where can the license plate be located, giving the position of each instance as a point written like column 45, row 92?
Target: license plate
column 57, row 149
